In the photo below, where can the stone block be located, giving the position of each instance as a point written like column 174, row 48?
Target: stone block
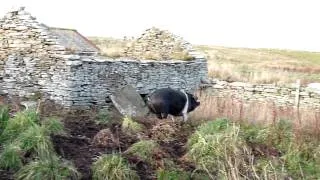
column 129, row 102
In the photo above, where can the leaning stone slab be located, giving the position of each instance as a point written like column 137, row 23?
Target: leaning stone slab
column 30, row 105
column 128, row 102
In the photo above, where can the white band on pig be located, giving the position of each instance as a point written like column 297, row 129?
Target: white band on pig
column 185, row 109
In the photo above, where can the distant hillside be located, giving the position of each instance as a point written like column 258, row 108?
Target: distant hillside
column 244, row 64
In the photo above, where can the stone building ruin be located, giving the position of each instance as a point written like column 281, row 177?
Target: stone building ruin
column 65, row 67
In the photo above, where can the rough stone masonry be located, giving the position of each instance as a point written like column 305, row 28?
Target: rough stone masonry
column 281, row 95
column 33, row 61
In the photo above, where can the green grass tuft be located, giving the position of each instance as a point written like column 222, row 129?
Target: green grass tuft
column 233, row 151
column 219, row 151
column 22, row 121
column 255, row 133
column 129, row 125
column 4, row 117
column 52, row 126
column 281, row 135
column 25, row 134
column 210, row 127
column 175, row 174
column 103, row 117
column 143, row 149
column 51, row 168
column 10, row 157
column 35, row 139
column 112, row 167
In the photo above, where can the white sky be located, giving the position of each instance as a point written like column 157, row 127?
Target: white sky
column 287, row 24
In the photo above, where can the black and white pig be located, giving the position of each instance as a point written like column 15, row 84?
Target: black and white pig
column 168, row 101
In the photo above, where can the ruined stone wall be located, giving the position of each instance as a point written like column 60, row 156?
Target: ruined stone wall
column 280, row 95
column 31, row 60
column 90, row 80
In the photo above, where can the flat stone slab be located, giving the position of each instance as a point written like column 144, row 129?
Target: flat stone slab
column 129, row 102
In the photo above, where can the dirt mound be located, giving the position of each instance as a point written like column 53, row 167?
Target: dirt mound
column 105, row 138
column 163, row 132
column 79, row 146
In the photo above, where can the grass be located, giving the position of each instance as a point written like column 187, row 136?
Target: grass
column 27, row 149
column 219, row 153
column 24, row 130
column 163, row 174
column 4, row 117
column 230, row 107
column 251, row 73
column 112, row 167
column 227, row 150
column 262, row 65
column 10, row 157
column 103, row 117
column 110, row 47
column 130, row 126
column 19, row 123
column 52, row 125
column 51, row 168
column 143, row 149
column 260, row 141
column 36, row 139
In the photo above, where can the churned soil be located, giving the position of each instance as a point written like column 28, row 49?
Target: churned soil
column 78, row 146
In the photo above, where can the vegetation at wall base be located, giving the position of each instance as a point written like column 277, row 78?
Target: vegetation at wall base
column 230, row 150
column 130, row 126
column 143, row 149
column 48, row 168
column 112, row 167
column 27, row 149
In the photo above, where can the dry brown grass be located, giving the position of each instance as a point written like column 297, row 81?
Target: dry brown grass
column 232, row 72
column 262, row 65
column 213, row 107
column 262, row 73
column 110, row 47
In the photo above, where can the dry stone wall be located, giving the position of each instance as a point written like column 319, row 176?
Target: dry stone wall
column 32, row 61
column 29, row 55
column 280, row 95
column 91, row 80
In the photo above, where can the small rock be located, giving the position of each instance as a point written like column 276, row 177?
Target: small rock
column 73, row 63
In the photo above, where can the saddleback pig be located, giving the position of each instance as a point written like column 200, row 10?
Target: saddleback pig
column 168, row 101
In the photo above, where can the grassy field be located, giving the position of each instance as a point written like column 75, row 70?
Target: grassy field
column 262, row 65
column 243, row 64
column 224, row 139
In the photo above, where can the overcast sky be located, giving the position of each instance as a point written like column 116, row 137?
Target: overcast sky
column 287, row 24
